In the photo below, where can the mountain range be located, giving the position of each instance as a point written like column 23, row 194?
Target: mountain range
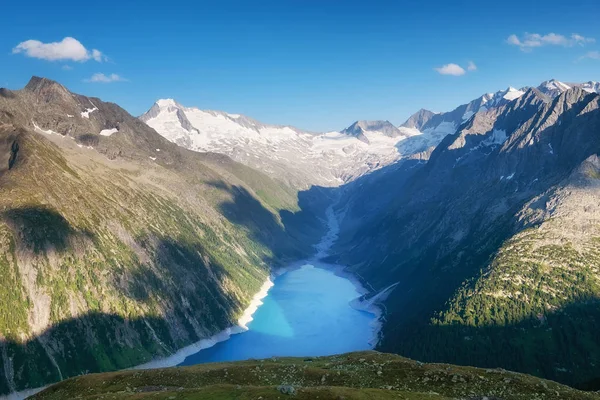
column 329, row 159
column 123, row 239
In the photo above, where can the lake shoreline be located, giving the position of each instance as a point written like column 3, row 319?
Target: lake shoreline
column 242, row 326
column 180, row 355
column 321, row 250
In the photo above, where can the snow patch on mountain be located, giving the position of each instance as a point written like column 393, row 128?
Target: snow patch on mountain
column 512, row 94
column 88, row 111
column 332, row 158
column 108, row 132
column 498, row 136
column 46, row 131
column 591, row 87
column 553, row 88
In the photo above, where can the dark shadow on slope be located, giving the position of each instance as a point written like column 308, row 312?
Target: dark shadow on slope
column 183, row 279
column 7, row 93
column 9, row 148
column 289, row 237
column 87, row 139
column 39, row 229
column 90, row 343
column 563, row 345
column 194, row 273
column 98, row 342
column 308, row 225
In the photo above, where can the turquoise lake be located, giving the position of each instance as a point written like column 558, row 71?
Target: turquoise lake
column 306, row 313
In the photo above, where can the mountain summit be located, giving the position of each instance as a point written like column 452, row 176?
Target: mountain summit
column 385, row 128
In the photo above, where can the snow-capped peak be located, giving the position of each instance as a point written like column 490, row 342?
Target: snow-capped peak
column 553, row 88
column 287, row 153
column 385, row 128
column 166, row 103
column 511, row 94
column 591, row 87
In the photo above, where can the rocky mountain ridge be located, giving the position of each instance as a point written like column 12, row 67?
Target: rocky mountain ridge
column 328, row 159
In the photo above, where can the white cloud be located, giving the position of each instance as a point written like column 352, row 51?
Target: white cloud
column 581, row 40
column 593, row 55
column 101, row 78
column 451, row 69
column 471, row 66
column 66, row 67
column 529, row 41
column 67, row 49
column 98, row 56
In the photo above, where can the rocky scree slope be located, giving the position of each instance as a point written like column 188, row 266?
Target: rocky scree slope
column 116, row 245
column 492, row 242
column 363, row 375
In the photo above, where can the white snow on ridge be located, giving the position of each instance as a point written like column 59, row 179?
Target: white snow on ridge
column 553, row 88
column 556, row 85
column 86, row 113
column 498, row 136
column 330, row 158
column 108, row 132
column 512, row 94
column 468, row 115
column 591, row 87
column 40, row 130
column 166, row 103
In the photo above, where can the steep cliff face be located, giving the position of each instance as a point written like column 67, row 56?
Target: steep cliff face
column 463, row 226
column 117, row 246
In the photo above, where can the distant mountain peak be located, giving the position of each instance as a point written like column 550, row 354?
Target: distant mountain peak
column 418, row 119
column 359, row 128
column 512, row 93
column 48, row 89
column 591, row 87
column 164, row 103
column 168, row 105
column 38, row 82
column 553, row 87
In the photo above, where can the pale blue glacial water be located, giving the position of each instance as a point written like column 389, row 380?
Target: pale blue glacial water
column 306, row 313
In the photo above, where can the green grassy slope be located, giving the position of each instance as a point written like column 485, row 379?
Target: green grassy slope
column 362, row 375
column 108, row 263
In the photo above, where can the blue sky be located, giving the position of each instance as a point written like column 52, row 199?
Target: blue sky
column 318, row 65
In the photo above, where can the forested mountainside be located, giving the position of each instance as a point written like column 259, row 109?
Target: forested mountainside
column 362, row 375
column 117, row 246
column 492, row 243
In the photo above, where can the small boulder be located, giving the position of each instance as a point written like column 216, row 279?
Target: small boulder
column 287, row 389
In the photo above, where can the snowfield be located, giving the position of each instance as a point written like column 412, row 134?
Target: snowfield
column 300, row 157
